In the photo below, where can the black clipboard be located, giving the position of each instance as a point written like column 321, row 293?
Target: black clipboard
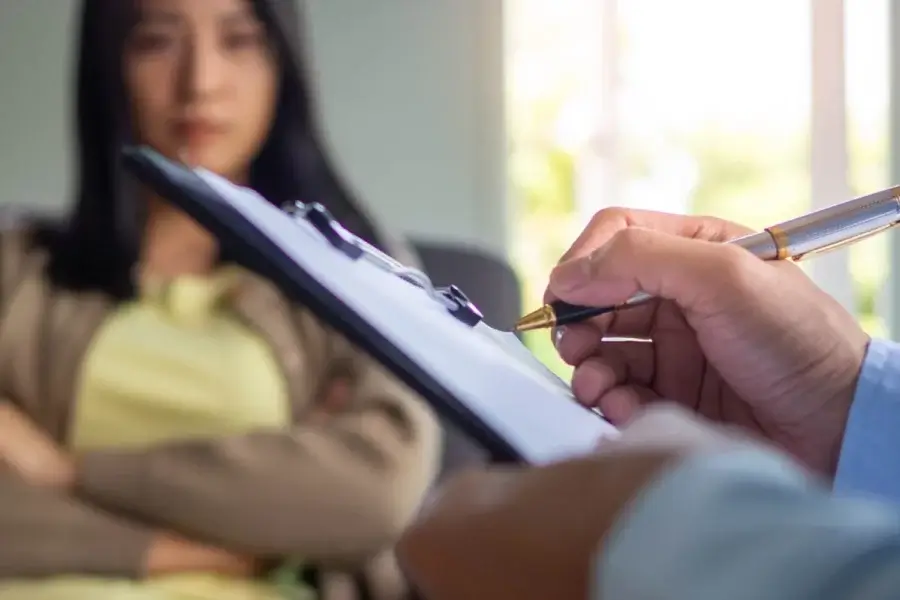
column 194, row 192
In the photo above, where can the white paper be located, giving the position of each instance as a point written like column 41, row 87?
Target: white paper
column 490, row 371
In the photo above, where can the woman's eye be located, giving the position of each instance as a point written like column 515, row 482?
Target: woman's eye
column 243, row 40
column 152, row 41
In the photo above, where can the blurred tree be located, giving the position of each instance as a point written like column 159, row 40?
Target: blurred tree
column 749, row 179
column 756, row 175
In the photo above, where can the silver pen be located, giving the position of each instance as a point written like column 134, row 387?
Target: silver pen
column 814, row 233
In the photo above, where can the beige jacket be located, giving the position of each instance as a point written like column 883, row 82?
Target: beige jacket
column 335, row 494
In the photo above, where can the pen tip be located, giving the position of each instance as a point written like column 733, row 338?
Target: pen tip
column 542, row 318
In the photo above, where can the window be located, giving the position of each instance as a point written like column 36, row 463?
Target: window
column 696, row 106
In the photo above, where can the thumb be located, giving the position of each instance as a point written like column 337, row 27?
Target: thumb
column 683, row 270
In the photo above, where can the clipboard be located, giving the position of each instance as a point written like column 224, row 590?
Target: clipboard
column 482, row 380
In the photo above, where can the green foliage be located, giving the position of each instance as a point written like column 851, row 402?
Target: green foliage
column 752, row 179
column 748, row 179
column 753, row 176
column 542, row 178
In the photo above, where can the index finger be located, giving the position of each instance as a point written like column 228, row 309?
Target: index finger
column 607, row 222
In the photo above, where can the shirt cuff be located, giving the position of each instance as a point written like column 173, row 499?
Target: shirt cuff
column 867, row 463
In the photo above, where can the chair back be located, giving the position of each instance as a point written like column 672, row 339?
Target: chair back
column 488, row 280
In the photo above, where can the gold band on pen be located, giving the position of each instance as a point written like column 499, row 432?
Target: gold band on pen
column 781, row 241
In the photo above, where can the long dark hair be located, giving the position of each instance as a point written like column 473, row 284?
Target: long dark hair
column 97, row 247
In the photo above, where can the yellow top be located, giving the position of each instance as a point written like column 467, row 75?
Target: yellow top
column 171, row 365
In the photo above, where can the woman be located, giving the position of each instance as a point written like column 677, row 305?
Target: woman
column 164, row 430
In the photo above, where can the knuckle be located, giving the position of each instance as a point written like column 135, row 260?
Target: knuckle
column 715, row 229
column 610, row 214
column 622, row 240
column 630, row 241
column 602, row 226
column 624, row 248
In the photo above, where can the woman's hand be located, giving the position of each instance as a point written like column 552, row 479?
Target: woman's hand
column 174, row 554
column 337, row 398
column 532, row 533
column 31, row 453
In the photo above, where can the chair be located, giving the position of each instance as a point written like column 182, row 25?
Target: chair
column 492, row 285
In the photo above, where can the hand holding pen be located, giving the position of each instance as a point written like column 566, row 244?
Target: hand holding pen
column 748, row 342
column 805, row 236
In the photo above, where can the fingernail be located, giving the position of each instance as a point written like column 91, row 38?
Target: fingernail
column 558, row 333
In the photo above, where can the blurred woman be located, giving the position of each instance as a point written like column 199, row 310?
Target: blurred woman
column 165, row 425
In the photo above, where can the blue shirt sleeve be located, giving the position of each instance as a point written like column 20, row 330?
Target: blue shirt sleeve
column 749, row 525
column 870, row 454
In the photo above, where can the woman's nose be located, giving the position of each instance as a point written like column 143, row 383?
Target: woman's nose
column 201, row 71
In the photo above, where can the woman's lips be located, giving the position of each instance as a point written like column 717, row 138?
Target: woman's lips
column 194, row 132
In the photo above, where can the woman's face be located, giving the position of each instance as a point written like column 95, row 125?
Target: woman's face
column 202, row 77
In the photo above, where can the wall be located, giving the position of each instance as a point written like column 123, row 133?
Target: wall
column 411, row 92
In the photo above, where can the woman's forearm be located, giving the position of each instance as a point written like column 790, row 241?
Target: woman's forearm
column 41, row 464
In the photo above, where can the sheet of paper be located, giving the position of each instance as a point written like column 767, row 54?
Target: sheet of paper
column 509, row 343
column 491, row 372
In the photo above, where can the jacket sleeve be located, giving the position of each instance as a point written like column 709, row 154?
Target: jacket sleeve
column 336, row 492
column 746, row 525
column 44, row 533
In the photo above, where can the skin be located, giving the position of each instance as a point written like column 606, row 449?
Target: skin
column 202, row 79
column 741, row 341
column 203, row 82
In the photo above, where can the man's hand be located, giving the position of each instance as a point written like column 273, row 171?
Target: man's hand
column 31, row 453
column 739, row 340
column 522, row 534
